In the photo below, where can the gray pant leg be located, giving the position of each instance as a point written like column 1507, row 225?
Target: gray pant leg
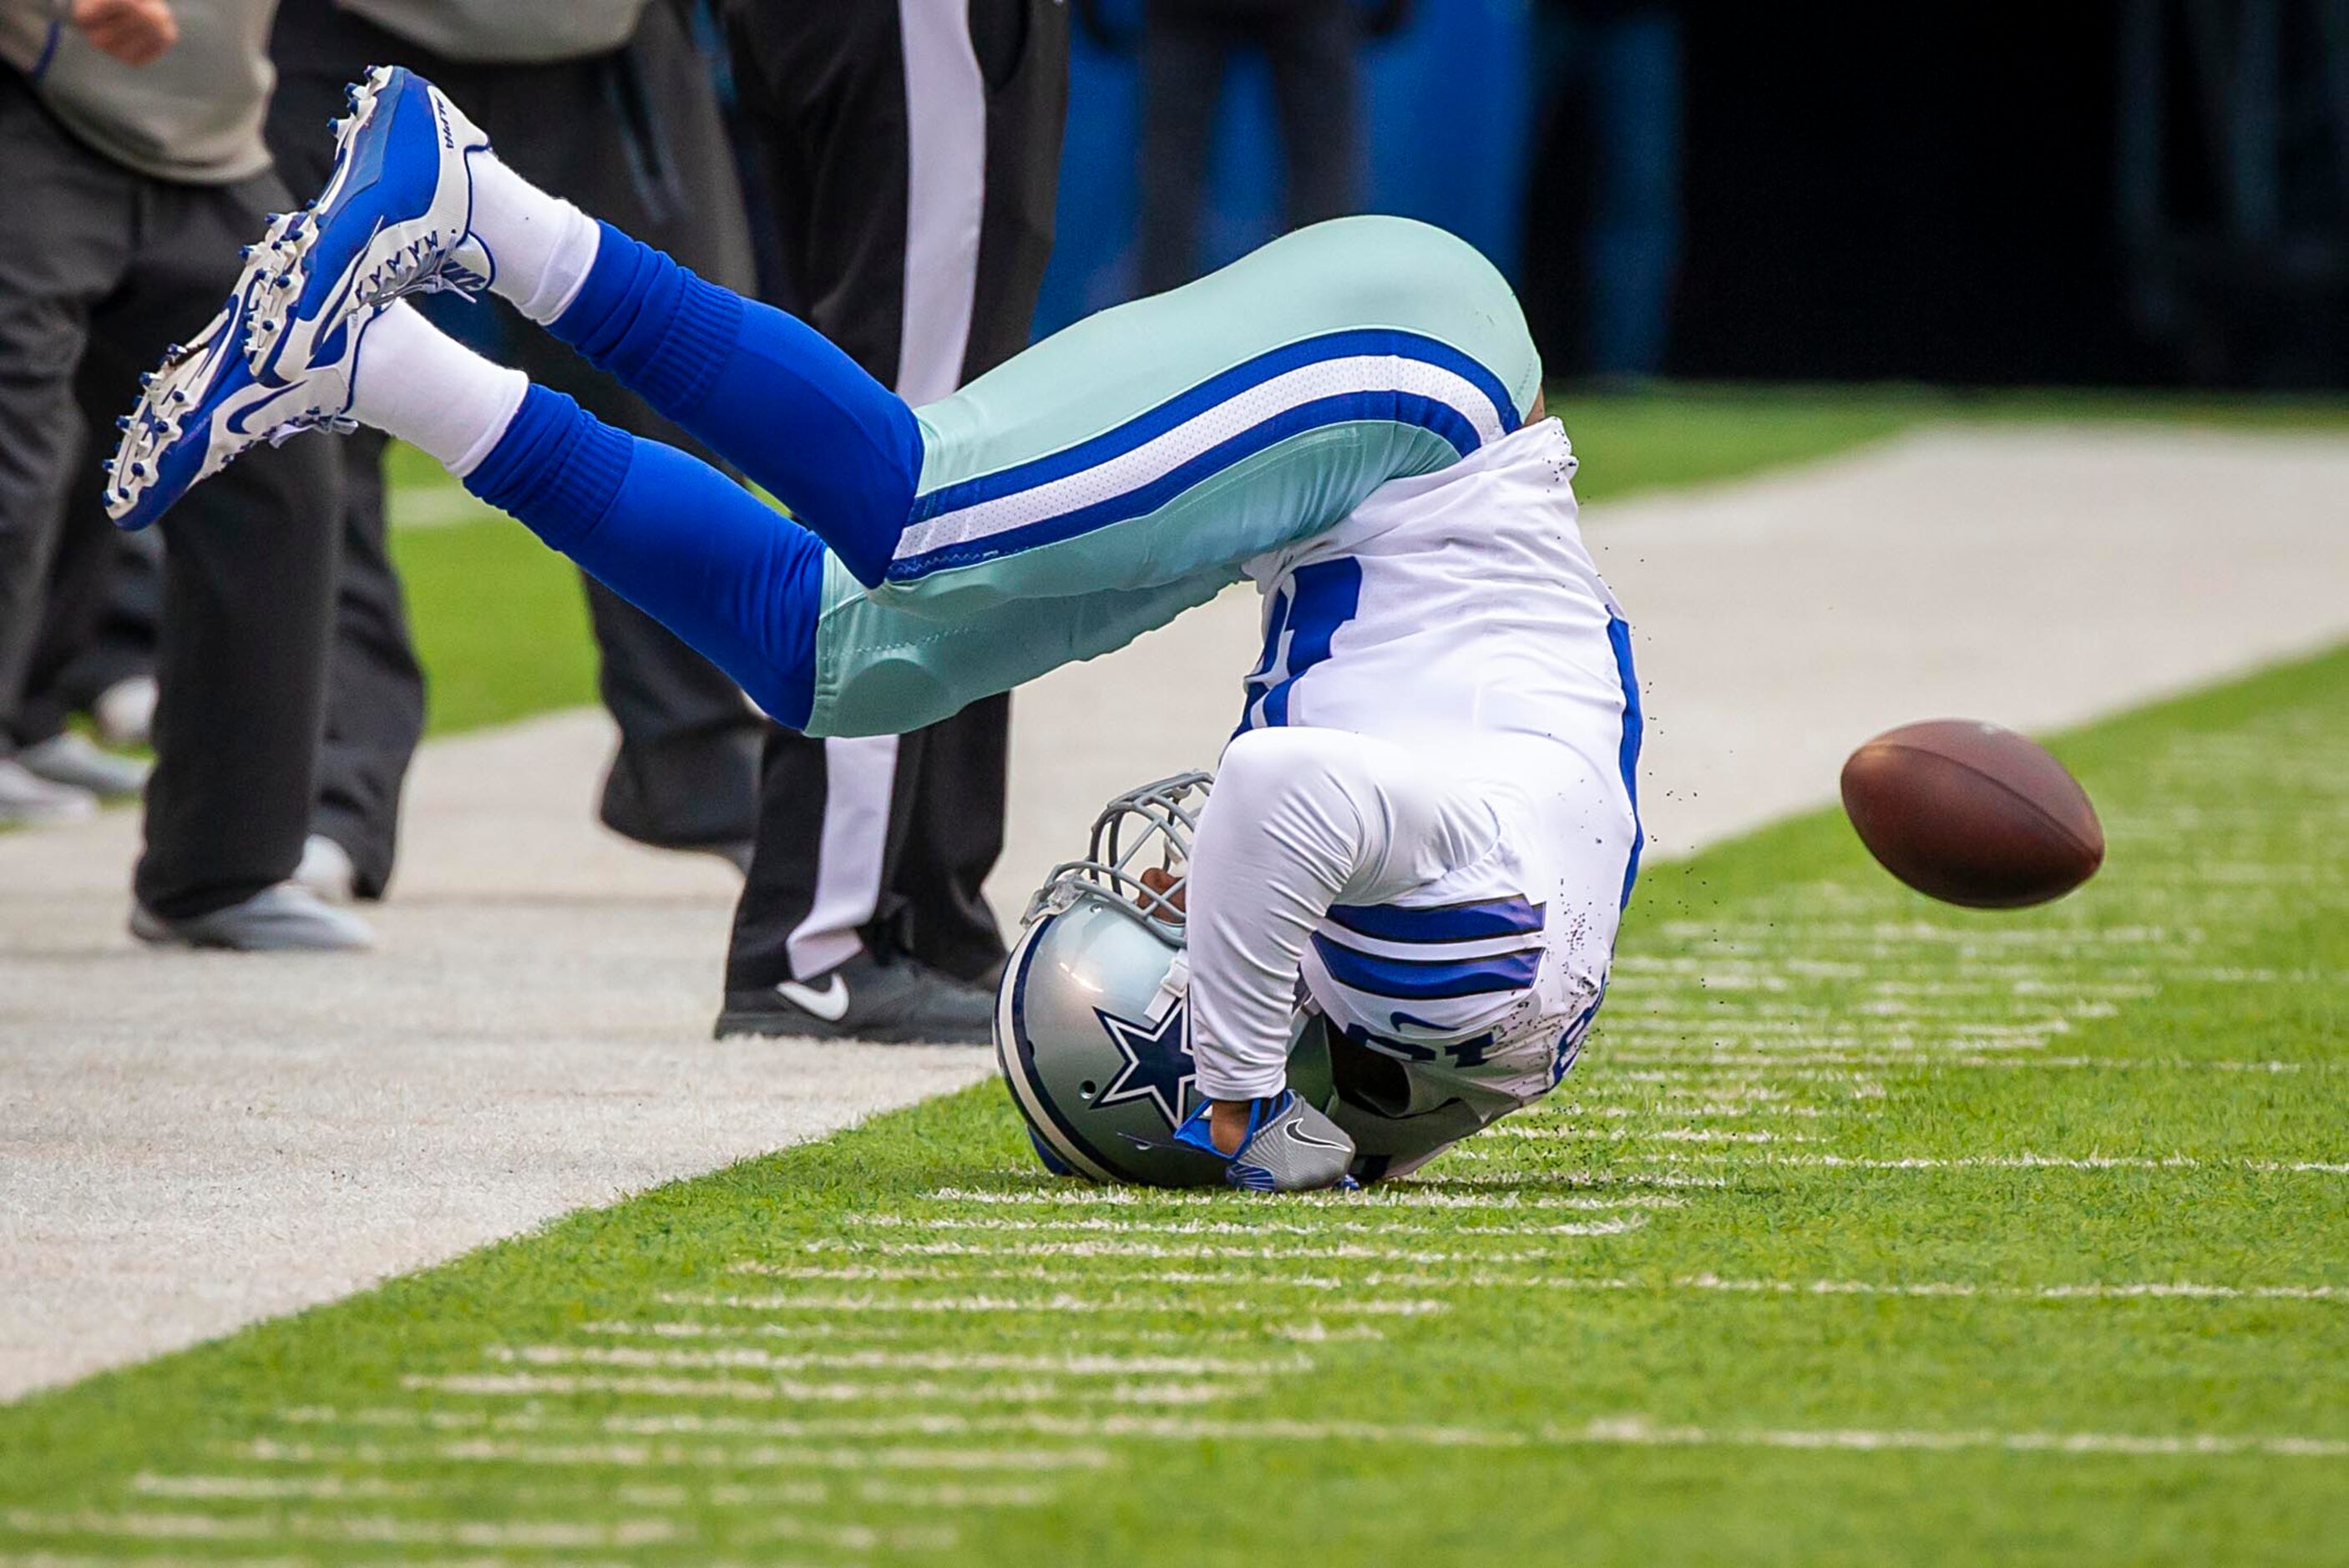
column 686, row 772
column 64, row 244
column 376, row 697
column 80, row 581
column 375, row 706
column 635, row 138
column 249, row 568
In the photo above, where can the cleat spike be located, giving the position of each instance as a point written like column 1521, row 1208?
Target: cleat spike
column 107, row 465
column 121, row 422
column 146, row 379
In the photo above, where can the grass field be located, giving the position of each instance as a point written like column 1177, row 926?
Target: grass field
column 503, row 635
column 1868, row 1231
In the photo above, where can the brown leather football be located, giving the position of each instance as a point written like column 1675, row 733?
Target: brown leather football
column 1972, row 813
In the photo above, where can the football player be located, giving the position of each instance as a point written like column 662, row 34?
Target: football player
column 1427, row 817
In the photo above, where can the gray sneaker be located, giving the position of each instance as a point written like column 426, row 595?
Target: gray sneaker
column 1290, row 1147
column 125, row 711
column 281, row 919
column 76, row 762
column 28, row 800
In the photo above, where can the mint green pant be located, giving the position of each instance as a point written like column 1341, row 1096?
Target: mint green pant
column 1121, row 471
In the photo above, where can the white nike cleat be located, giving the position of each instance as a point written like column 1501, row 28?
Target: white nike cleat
column 204, row 408
column 395, row 219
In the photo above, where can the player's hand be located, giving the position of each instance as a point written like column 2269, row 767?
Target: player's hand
column 1159, row 882
column 136, row 32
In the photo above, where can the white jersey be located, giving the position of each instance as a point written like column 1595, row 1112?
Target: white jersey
column 1452, row 800
column 1461, row 602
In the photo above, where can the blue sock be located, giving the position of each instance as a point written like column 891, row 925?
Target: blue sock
column 764, row 390
column 671, row 535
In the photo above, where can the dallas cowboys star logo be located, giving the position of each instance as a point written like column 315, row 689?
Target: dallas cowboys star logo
column 1158, row 1065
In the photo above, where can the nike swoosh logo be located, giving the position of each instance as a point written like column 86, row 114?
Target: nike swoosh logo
column 240, row 421
column 830, row 1003
column 1298, row 1135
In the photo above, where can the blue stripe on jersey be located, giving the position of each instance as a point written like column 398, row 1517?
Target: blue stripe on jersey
column 1619, row 637
column 1317, row 599
column 1414, row 980
column 1569, row 1044
column 1440, row 923
column 1222, row 388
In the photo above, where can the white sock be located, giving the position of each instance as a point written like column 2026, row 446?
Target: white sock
column 542, row 245
column 417, row 383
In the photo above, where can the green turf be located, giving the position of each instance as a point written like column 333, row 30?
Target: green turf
column 1869, row 1231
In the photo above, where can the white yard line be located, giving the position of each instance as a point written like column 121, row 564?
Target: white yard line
column 671, row 1330
column 1376, row 1198
column 194, row 1143
column 1631, row 1430
column 538, row 1534
column 673, row 1455
column 2024, row 1163
column 1235, row 1306
column 1280, row 1252
column 1484, row 1278
column 536, row 1385
column 928, row 1224
column 1065, row 1366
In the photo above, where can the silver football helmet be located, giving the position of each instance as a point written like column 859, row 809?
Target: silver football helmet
column 1091, row 1025
column 1092, row 1022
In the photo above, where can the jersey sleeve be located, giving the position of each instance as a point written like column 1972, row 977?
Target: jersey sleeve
column 1300, row 820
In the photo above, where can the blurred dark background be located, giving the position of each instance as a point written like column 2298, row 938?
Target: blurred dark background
column 2144, row 193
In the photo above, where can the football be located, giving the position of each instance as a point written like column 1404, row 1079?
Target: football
column 1972, row 813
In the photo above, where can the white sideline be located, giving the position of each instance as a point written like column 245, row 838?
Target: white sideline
column 189, row 1143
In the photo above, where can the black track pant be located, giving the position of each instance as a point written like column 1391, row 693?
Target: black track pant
column 100, row 270
column 633, row 137
column 917, row 243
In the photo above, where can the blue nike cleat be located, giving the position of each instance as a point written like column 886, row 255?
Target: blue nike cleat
column 1289, row 1148
column 393, row 220
column 204, row 407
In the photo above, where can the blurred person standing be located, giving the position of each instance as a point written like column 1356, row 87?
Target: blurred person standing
column 87, row 657
column 608, row 103
column 132, row 167
column 1186, row 45
column 908, row 156
column 1609, row 71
